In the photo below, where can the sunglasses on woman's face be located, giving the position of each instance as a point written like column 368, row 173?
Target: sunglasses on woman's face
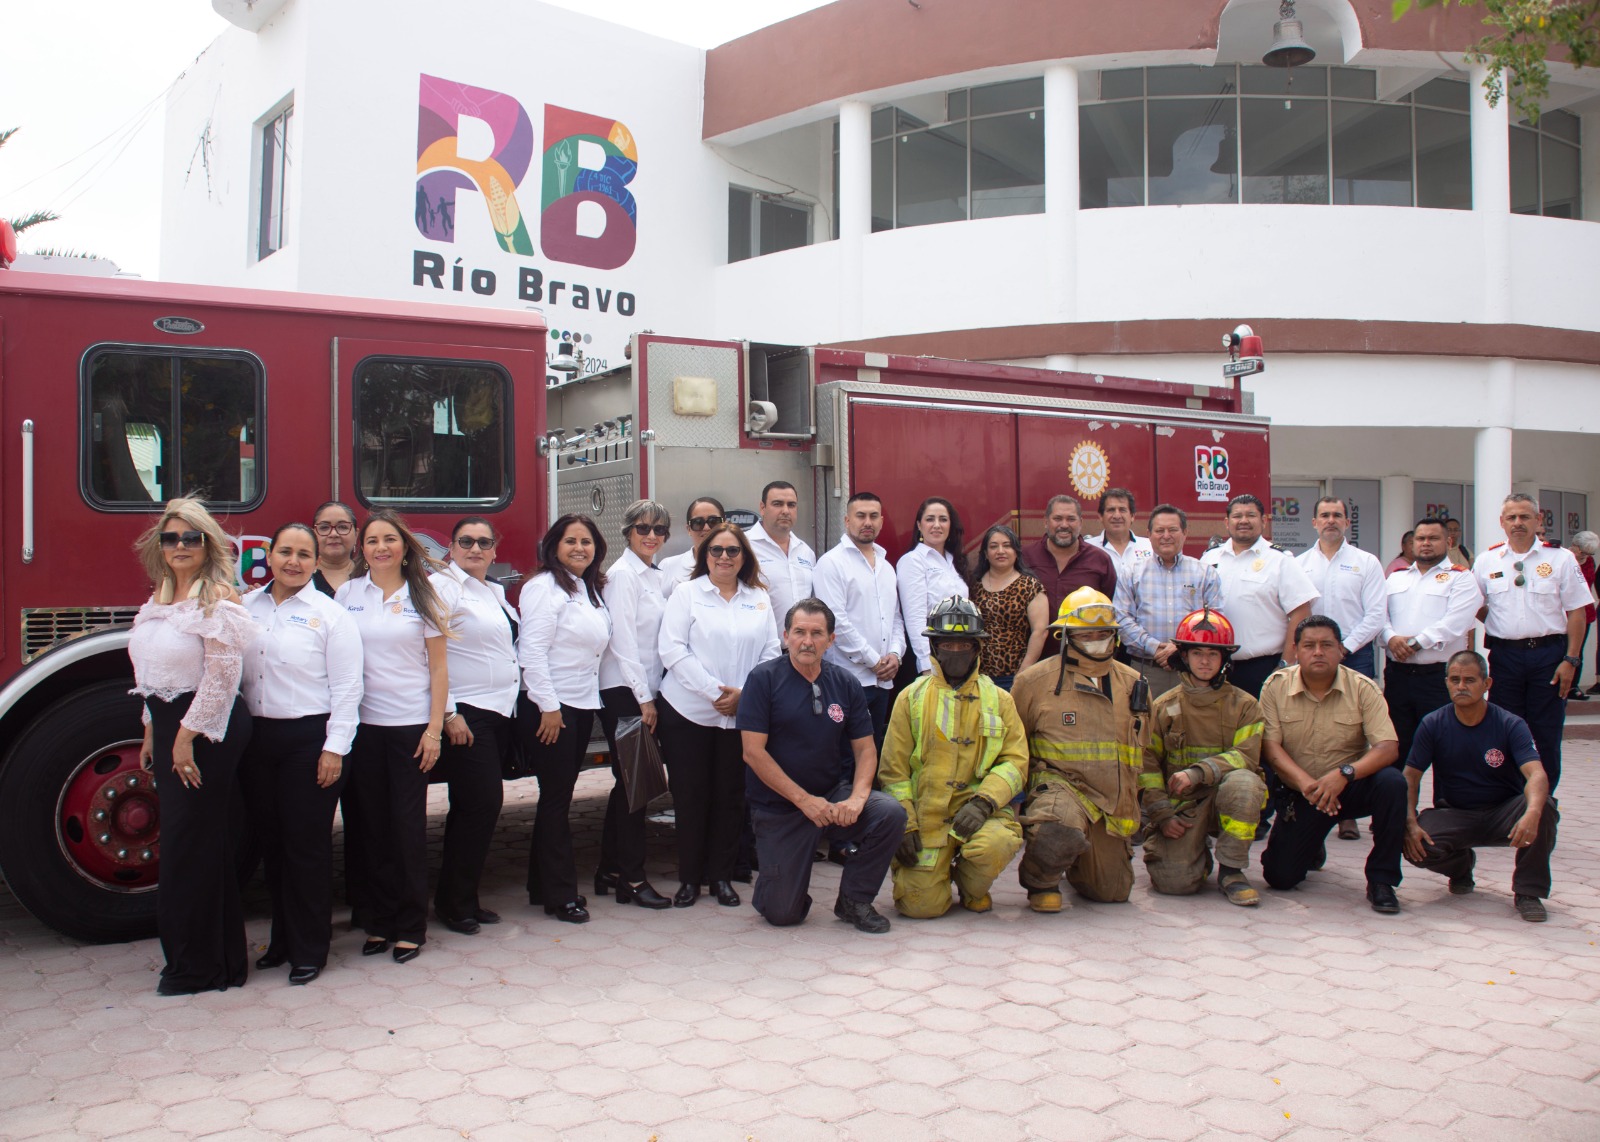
column 701, row 522
column 182, row 539
column 658, row 529
column 717, row 551
column 468, row 542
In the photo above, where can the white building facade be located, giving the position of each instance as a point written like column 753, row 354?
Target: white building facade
column 1105, row 191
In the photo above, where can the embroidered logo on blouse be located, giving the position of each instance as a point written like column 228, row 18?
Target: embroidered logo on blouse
column 835, row 712
column 1495, row 758
column 315, row 624
column 394, row 609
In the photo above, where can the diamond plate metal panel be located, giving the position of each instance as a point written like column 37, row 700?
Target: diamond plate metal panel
column 666, row 360
column 603, row 500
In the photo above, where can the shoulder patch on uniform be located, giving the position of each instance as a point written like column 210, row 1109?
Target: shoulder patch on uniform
column 1279, row 547
column 1496, row 547
column 1547, row 543
column 1459, row 567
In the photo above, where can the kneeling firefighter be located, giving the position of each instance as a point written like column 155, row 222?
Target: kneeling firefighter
column 955, row 756
column 1087, row 719
column 1202, row 769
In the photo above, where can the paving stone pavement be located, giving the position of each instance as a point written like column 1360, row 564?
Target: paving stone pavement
column 1309, row 1017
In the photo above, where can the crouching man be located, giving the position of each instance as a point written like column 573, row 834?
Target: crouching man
column 1202, row 769
column 1489, row 789
column 954, row 757
column 796, row 714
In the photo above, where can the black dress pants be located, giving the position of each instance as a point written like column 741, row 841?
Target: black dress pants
column 293, row 820
column 1412, row 692
column 392, row 791
column 705, row 768
column 1299, row 833
column 552, row 875
column 198, row 913
column 475, row 778
column 1456, row 832
column 1522, row 677
column 622, row 847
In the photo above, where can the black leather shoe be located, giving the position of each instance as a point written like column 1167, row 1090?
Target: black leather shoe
column 303, row 975
column 406, row 955
column 1383, row 899
column 552, row 909
column 725, row 894
column 374, row 947
column 865, row 917
column 467, row 926
column 641, row 894
column 271, row 960
column 604, row 882
column 573, row 913
column 485, row 916
column 686, row 895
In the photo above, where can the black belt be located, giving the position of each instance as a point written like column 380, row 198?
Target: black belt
column 1415, row 667
column 1491, row 641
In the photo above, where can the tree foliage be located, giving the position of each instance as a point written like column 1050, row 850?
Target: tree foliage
column 1523, row 35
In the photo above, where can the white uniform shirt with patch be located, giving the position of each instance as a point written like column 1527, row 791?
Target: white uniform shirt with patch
column 708, row 642
column 307, row 661
column 866, row 609
column 789, row 575
column 1552, row 586
column 396, row 690
column 1136, row 553
column 1351, row 592
column 560, row 643
column 1437, row 607
column 1260, row 586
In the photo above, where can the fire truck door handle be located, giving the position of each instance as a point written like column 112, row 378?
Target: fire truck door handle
column 27, row 491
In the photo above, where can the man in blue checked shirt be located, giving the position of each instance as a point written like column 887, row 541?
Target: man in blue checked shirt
column 1155, row 594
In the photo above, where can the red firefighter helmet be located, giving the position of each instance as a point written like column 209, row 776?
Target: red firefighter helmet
column 1206, row 627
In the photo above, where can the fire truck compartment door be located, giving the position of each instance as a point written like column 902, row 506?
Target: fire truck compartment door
column 1082, row 455
column 1201, row 467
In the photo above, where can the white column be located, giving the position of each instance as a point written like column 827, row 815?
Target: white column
column 1061, row 189
column 855, row 210
column 1491, row 196
column 1491, row 453
column 1397, row 503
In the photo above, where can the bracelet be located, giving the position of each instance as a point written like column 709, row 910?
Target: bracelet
column 451, row 716
column 430, row 737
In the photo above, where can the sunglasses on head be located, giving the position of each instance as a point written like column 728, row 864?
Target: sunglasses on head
column 717, row 551
column 701, row 522
column 182, row 539
column 344, row 528
column 659, row 529
column 468, row 542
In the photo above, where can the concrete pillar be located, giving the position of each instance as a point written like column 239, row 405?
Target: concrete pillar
column 1491, row 195
column 1491, row 452
column 855, row 210
column 1061, row 188
column 1397, row 504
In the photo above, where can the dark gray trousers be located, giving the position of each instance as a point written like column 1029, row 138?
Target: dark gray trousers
column 786, row 840
column 1456, row 832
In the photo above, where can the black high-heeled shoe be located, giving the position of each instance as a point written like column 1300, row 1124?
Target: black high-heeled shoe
column 725, row 894
column 271, row 960
column 641, row 894
column 374, row 947
column 404, row 955
column 604, row 882
column 686, row 895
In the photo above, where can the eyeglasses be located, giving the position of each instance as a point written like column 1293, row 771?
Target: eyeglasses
column 468, row 542
column 344, row 528
column 660, row 529
column 717, row 551
column 182, row 539
column 816, row 698
column 1521, row 580
column 701, row 522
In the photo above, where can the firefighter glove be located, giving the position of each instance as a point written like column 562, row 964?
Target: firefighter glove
column 971, row 816
column 910, row 848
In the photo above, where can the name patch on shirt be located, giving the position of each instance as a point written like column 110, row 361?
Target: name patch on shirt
column 302, row 620
column 1497, row 574
column 355, row 608
column 1070, row 718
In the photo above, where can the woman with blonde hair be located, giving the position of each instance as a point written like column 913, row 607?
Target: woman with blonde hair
column 187, row 651
column 403, row 609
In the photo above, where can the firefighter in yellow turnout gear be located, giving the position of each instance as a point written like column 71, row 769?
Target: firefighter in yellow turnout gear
column 955, row 756
column 1087, row 720
column 1202, row 769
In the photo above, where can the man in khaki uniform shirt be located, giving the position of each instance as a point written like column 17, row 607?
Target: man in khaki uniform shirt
column 1329, row 737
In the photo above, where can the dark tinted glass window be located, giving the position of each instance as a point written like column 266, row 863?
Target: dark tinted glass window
column 1192, row 152
column 160, row 425
column 1444, row 160
column 1111, row 155
column 739, row 202
column 432, row 433
column 1017, row 96
column 1285, row 150
column 1008, row 165
column 1371, row 154
column 931, row 176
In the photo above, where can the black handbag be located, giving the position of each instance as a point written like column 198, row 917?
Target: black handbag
column 644, row 776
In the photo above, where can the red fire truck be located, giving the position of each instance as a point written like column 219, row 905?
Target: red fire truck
column 118, row 395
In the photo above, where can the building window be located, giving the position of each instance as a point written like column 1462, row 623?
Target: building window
column 1184, row 135
column 947, row 157
column 272, row 222
column 161, row 424
column 761, row 223
column 432, row 434
column 1545, row 166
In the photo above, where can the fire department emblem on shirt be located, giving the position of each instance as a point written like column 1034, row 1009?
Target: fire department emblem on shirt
column 1544, row 570
column 1442, row 577
column 835, row 712
column 1258, row 565
column 1090, row 469
column 1069, row 719
column 1495, row 758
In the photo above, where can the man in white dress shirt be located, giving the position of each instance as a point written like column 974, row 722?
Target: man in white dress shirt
column 856, row 580
column 787, row 561
column 1117, row 540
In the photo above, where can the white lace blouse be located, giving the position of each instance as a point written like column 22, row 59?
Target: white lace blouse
column 177, row 648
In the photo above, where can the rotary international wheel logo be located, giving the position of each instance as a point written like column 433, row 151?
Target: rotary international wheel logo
column 1090, row 470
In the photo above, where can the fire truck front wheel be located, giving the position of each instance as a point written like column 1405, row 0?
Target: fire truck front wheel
column 80, row 841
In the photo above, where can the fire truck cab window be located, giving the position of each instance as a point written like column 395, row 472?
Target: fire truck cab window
column 431, row 433
column 160, row 424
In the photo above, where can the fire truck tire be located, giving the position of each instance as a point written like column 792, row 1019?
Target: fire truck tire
column 97, row 888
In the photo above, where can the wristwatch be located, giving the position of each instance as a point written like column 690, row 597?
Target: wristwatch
column 1573, row 661
column 1348, row 772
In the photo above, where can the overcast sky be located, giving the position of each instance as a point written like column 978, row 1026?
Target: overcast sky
column 86, row 82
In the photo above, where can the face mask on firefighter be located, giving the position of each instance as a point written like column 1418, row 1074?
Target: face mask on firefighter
column 956, row 657
column 1097, row 645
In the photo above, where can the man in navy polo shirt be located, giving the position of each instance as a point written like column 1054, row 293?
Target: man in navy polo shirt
column 795, row 715
column 1489, row 789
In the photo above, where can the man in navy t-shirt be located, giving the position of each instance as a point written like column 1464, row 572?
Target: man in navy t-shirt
column 795, row 716
column 1489, row 789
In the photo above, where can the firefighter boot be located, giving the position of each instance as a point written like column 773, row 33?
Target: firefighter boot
column 1236, row 888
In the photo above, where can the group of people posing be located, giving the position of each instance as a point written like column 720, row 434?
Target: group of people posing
column 766, row 673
